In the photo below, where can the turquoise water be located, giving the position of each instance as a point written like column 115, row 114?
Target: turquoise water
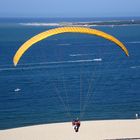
column 68, row 75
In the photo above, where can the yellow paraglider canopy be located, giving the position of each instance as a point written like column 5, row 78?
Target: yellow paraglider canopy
column 60, row 30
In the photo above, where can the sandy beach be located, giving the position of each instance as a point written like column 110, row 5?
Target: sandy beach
column 89, row 130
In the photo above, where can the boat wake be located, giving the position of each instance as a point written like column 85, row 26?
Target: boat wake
column 43, row 65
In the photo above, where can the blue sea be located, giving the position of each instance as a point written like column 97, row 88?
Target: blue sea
column 67, row 75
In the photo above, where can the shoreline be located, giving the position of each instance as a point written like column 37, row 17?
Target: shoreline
column 90, row 130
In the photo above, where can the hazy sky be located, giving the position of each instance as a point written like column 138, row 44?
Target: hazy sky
column 69, row 8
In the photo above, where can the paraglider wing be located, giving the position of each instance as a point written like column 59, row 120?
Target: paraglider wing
column 60, row 30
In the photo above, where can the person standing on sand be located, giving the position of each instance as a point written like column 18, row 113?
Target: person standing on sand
column 76, row 124
column 137, row 115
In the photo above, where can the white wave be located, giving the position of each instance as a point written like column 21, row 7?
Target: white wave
column 134, row 67
column 66, row 44
column 133, row 42
column 47, row 64
column 5, row 69
column 79, row 54
column 39, row 24
column 53, row 24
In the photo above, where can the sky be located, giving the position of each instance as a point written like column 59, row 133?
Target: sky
column 69, row 8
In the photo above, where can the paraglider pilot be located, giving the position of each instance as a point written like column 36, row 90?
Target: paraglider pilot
column 76, row 124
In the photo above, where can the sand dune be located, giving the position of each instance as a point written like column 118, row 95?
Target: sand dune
column 89, row 130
